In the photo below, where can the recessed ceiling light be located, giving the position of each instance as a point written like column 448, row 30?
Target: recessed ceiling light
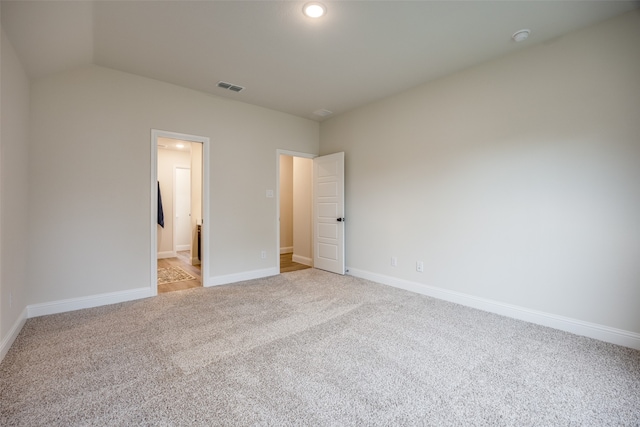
column 521, row 35
column 180, row 145
column 314, row 10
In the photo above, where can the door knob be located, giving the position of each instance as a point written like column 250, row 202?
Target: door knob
column 340, row 219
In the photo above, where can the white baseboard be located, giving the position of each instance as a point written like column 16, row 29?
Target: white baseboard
column 567, row 324
column 183, row 248
column 72, row 304
column 240, row 277
column 6, row 343
column 167, row 254
column 302, row 260
column 286, row 250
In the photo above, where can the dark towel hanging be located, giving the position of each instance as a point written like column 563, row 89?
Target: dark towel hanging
column 160, row 211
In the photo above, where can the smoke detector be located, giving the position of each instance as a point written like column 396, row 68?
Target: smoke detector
column 323, row 113
column 521, row 35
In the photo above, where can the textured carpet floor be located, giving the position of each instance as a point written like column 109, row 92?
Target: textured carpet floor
column 310, row 348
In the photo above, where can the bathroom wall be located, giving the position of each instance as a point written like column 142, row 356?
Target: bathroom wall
column 168, row 160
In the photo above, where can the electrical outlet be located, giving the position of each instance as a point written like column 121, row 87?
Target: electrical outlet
column 419, row 266
column 394, row 261
column 263, row 254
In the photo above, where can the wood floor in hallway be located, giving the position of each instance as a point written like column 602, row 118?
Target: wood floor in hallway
column 182, row 261
column 287, row 264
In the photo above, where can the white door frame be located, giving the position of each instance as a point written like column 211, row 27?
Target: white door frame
column 293, row 154
column 153, row 264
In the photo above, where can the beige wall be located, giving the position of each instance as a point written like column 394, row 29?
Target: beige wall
column 168, row 160
column 302, row 207
column 14, row 225
column 517, row 180
column 88, row 222
column 286, row 204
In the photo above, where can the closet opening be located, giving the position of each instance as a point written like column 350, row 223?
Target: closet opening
column 295, row 211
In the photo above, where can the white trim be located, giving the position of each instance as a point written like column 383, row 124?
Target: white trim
column 153, row 264
column 295, row 154
column 205, row 253
column 240, row 277
column 302, row 260
column 286, row 250
column 206, row 218
column 7, row 342
column 166, row 254
column 180, row 248
column 567, row 324
column 62, row 306
column 280, row 152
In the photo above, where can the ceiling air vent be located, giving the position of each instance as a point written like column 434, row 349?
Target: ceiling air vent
column 230, row 86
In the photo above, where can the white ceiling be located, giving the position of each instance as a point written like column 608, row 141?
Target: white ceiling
column 174, row 144
column 359, row 52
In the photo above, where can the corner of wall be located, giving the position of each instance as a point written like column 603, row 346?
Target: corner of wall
column 14, row 184
column 11, row 336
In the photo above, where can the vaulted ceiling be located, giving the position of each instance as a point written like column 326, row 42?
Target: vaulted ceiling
column 360, row 51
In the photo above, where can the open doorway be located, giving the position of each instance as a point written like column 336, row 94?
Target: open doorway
column 295, row 211
column 180, row 200
column 326, row 228
column 179, row 208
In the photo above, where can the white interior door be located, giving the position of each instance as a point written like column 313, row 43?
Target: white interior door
column 328, row 213
column 183, row 209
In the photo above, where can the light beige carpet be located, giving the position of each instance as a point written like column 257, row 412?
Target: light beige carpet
column 173, row 274
column 309, row 348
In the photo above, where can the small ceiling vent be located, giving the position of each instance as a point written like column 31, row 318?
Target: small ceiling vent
column 230, row 86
